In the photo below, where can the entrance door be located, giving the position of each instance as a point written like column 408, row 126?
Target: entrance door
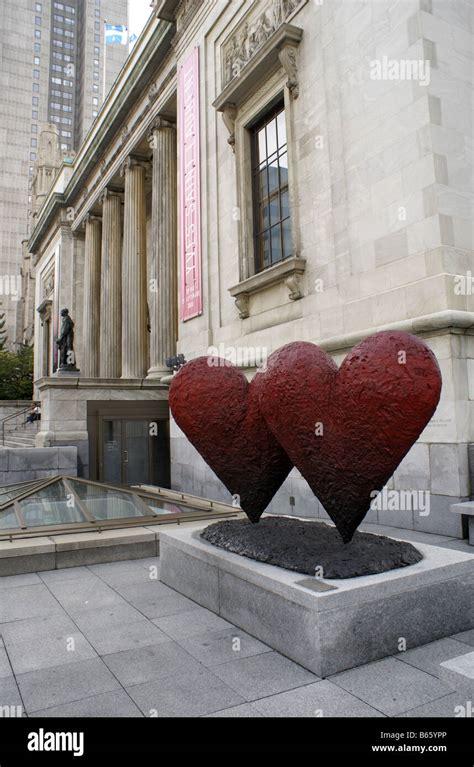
column 133, row 451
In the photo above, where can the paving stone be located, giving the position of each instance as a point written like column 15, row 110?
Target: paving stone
column 429, row 656
column 164, row 606
column 105, row 568
column 133, row 667
column 454, row 705
column 214, row 647
column 180, row 695
column 126, row 579
column 115, row 638
column 263, row 675
column 145, row 591
column 465, row 636
column 37, row 653
column 245, row 710
column 106, row 617
column 63, row 684
column 190, row 623
column 10, row 698
column 22, row 602
column 391, row 686
column 11, row 581
column 84, row 594
column 108, row 704
column 67, row 574
column 321, row 699
column 5, row 667
column 38, row 628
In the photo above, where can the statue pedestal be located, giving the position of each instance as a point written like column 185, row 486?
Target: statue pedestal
column 325, row 625
column 70, row 371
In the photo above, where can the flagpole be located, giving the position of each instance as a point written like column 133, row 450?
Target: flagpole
column 105, row 60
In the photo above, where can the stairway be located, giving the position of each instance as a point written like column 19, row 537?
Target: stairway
column 17, row 435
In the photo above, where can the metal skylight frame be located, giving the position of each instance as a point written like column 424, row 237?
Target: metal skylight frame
column 203, row 509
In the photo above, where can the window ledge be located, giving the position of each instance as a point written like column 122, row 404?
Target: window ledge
column 288, row 271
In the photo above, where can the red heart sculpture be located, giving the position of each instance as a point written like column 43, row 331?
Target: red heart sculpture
column 218, row 410
column 347, row 429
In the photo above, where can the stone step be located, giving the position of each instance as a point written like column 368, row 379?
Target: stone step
column 459, row 673
column 16, row 442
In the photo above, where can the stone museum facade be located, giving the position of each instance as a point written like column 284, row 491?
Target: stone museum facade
column 264, row 172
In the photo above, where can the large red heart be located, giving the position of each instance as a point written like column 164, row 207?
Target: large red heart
column 347, row 429
column 218, row 410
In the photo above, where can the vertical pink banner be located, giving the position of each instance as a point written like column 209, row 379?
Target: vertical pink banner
column 190, row 192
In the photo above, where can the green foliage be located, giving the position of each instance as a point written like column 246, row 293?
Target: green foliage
column 16, row 373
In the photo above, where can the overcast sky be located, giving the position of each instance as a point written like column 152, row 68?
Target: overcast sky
column 139, row 11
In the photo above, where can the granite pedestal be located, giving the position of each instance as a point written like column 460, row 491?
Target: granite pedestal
column 326, row 626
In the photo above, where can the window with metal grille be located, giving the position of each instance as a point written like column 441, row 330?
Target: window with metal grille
column 272, row 222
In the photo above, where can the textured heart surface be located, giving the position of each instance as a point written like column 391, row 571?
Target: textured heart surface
column 347, row 429
column 218, row 410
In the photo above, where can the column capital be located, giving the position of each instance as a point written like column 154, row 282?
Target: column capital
column 160, row 123
column 91, row 218
column 133, row 162
column 108, row 192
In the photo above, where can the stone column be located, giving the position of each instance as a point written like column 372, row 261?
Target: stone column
column 111, row 286
column 163, row 273
column 91, row 316
column 134, row 293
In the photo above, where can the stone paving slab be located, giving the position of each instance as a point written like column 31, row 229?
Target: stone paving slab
column 315, row 700
column 21, row 602
column 113, row 704
column 263, row 675
column 212, row 648
column 188, row 694
column 191, row 622
column 429, row 656
column 64, row 684
column 182, row 663
column 390, row 685
column 134, row 667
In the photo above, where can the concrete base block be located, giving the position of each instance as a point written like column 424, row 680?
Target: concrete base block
column 29, row 563
column 341, row 624
column 93, row 556
column 459, row 673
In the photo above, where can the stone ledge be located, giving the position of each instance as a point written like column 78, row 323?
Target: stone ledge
column 288, row 271
column 356, row 622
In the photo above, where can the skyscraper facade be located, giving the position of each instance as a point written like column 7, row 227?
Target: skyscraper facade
column 51, row 71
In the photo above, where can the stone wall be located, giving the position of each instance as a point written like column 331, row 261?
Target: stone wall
column 21, row 464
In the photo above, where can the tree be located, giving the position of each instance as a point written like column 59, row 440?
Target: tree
column 16, row 373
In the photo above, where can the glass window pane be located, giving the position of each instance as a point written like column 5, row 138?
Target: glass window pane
column 137, row 446
column 273, row 182
column 285, row 204
column 262, row 151
column 51, row 506
column 286, row 234
column 263, row 256
column 8, row 520
column 271, row 137
column 112, row 450
column 284, row 169
column 281, row 128
column 264, row 219
column 276, row 244
column 262, row 184
column 274, row 209
column 103, row 503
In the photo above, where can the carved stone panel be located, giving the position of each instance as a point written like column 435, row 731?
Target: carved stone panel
column 252, row 34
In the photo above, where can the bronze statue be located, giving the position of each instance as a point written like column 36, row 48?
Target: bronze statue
column 65, row 343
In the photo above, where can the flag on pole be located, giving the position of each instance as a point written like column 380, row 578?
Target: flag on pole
column 116, row 34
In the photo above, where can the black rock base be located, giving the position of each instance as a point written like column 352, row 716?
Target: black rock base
column 312, row 548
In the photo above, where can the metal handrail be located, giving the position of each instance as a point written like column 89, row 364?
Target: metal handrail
column 17, row 415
